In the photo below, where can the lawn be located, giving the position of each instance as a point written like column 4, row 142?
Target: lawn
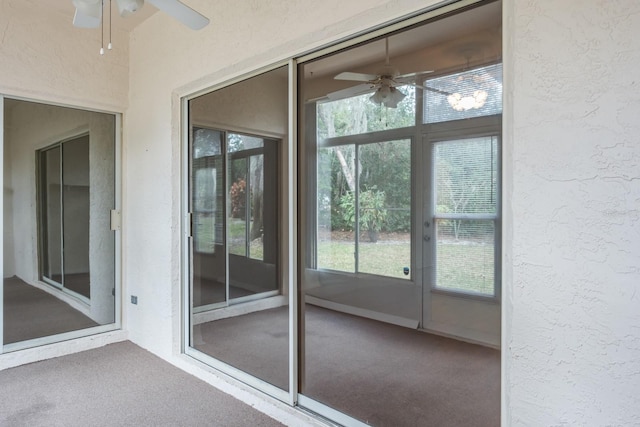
column 461, row 265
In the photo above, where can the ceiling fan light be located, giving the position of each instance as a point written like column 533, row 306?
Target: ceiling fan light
column 127, row 7
column 454, row 101
column 388, row 96
column 92, row 8
column 465, row 103
column 480, row 97
column 377, row 97
column 395, row 97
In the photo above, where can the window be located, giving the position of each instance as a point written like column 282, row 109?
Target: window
column 357, row 114
column 464, row 95
column 208, row 203
column 246, row 195
column 364, row 208
column 246, row 192
column 465, row 213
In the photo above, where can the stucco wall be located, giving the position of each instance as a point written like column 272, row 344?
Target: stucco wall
column 44, row 57
column 572, row 232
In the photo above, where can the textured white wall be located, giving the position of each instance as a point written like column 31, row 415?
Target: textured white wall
column 572, row 238
column 44, row 57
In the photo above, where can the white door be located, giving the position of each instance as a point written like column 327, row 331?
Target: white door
column 460, row 232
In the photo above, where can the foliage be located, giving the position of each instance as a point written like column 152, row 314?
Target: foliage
column 372, row 212
column 237, row 194
column 356, row 115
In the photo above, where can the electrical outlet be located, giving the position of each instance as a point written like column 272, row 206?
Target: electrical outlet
column 134, row 299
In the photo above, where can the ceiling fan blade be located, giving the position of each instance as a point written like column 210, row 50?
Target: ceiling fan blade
column 356, row 77
column 432, row 89
column 416, row 74
column 182, row 13
column 350, row 91
column 88, row 13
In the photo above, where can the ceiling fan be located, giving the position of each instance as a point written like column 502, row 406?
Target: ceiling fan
column 384, row 84
column 89, row 12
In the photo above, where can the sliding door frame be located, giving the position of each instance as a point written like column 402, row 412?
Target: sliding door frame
column 115, row 228
column 293, row 264
column 285, row 277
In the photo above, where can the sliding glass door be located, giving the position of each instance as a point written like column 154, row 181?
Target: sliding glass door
column 392, row 197
column 64, row 215
column 238, row 303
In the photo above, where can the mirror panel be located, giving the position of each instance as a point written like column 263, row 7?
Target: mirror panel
column 239, row 305
column 59, row 249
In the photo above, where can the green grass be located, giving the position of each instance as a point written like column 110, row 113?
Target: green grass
column 204, row 237
column 462, row 266
column 385, row 259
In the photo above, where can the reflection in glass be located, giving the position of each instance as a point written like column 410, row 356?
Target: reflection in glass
column 239, row 209
column 239, row 311
column 466, row 180
column 59, row 270
column 75, row 223
column 366, row 211
column 207, row 201
column 50, row 203
column 463, row 95
column 336, row 237
column 384, row 208
column 393, row 215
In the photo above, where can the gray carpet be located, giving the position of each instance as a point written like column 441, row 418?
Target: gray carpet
column 117, row 385
column 379, row 373
column 32, row 313
column 257, row 343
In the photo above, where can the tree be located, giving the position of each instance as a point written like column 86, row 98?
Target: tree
column 378, row 166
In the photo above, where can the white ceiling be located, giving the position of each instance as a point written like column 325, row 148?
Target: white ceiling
column 66, row 8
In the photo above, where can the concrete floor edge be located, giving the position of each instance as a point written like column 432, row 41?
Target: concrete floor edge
column 59, row 349
column 258, row 400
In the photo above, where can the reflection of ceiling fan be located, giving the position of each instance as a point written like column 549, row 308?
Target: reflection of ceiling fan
column 89, row 12
column 384, row 84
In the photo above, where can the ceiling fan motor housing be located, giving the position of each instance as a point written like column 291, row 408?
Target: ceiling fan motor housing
column 127, row 7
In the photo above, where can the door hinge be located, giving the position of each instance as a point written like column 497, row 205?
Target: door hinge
column 190, row 224
column 116, row 220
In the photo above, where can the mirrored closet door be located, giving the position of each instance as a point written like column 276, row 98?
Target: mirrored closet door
column 59, row 258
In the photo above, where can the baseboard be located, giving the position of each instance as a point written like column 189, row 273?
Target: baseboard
column 240, row 309
column 362, row 312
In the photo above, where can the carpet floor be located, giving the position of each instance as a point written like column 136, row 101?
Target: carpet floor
column 117, row 385
column 33, row 313
column 382, row 374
